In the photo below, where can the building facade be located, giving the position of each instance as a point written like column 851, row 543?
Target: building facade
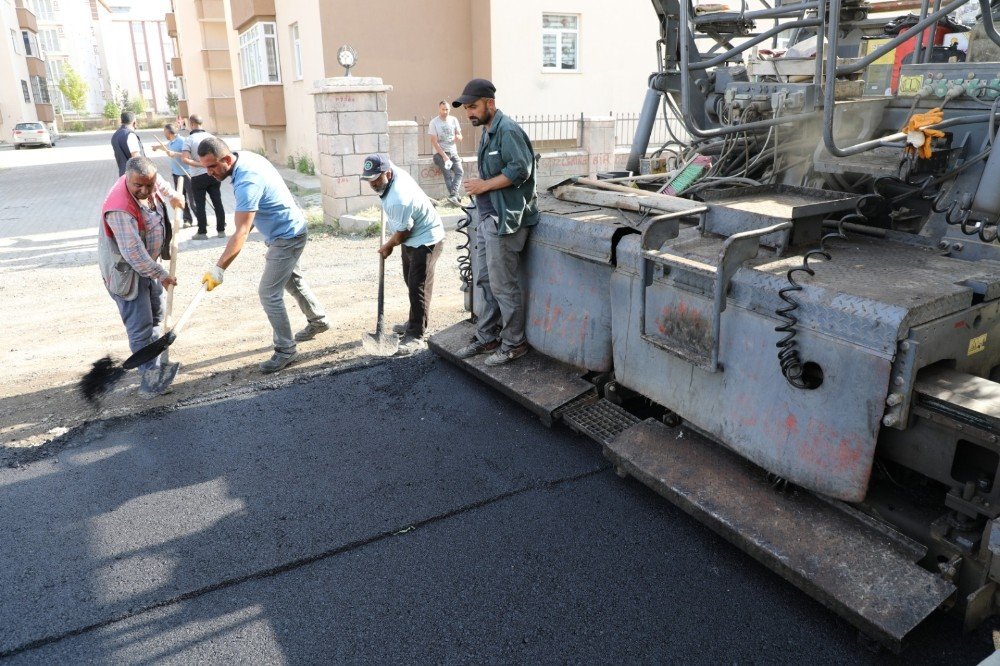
column 145, row 54
column 202, row 62
column 557, row 57
column 24, row 93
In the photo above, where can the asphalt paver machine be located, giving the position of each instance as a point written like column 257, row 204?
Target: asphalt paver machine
column 786, row 318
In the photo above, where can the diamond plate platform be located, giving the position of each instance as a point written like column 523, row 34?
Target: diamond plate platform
column 597, row 418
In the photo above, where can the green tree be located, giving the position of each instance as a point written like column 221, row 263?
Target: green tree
column 173, row 102
column 111, row 110
column 74, row 89
column 124, row 101
column 138, row 107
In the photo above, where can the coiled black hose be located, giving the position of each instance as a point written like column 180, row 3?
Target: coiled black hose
column 959, row 213
column 465, row 254
column 792, row 367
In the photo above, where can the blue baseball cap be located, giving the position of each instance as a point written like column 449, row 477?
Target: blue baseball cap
column 375, row 165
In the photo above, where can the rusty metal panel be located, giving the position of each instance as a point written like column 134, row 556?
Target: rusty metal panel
column 541, row 384
column 822, row 439
column 856, row 571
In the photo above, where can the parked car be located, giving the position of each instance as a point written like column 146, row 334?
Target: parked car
column 32, row 134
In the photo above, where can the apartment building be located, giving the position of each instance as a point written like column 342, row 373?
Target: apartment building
column 145, row 52
column 555, row 57
column 24, row 93
column 69, row 32
column 202, row 63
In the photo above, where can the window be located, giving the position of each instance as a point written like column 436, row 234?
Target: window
column 43, row 9
column 40, row 88
column 24, row 89
column 168, row 66
column 30, row 44
column 560, row 42
column 296, row 51
column 259, row 55
column 49, row 39
column 143, row 67
column 18, row 44
column 144, row 85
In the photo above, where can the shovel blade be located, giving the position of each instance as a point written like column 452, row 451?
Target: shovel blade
column 150, row 351
column 380, row 344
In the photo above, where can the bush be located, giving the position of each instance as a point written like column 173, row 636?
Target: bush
column 306, row 166
column 111, row 110
column 77, row 126
column 290, row 162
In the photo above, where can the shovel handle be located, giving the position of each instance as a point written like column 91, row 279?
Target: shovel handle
column 189, row 310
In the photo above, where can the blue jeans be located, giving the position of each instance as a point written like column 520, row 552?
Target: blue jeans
column 142, row 317
column 281, row 273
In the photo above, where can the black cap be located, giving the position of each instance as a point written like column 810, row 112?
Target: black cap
column 475, row 89
column 375, row 165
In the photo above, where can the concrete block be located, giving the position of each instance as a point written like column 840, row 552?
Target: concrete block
column 353, row 224
column 340, row 187
column 362, row 202
column 365, row 144
column 333, row 208
column 331, row 165
column 355, row 101
column 381, row 102
column 383, row 143
column 354, row 165
column 335, row 144
column 364, row 122
column 326, row 123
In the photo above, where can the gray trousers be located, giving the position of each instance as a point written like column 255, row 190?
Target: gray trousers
column 453, row 176
column 498, row 258
column 142, row 317
column 281, row 273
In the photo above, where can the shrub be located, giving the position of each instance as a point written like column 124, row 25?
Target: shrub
column 111, row 110
column 305, row 165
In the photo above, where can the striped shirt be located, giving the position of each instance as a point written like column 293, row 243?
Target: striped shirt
column 138, row 251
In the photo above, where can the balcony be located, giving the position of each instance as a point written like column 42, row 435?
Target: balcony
column 216, row 59
column 182, row 108
column 176, row 67
column 36, row 66
column 264, row 106
column 210, row 10
column 45, row 113
column 171, row 22
column 247, row 11
column 26, row 19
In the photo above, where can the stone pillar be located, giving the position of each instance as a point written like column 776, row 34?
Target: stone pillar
column 598, row 141
column 351, row 122
column 404, row 145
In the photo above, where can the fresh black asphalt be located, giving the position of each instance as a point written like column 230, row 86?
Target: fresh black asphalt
column 397, row 513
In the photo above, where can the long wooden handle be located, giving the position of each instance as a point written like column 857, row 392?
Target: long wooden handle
column 189, row 310
column 380, row 323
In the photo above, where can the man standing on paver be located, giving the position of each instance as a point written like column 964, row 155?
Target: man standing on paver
column 202, row 183
column 182, row 183
column 445, row 131
column 417, row 227
column 507, row 209
column 125, row 142
column 263, row 200
column 133, row 233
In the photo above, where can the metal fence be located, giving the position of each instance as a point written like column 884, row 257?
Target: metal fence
column 664, row 129
column 550, row 133
column 547, row 133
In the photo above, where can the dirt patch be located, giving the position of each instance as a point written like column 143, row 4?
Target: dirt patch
column 58, row 319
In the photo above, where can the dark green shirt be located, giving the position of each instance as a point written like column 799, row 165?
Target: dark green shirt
column 506, row 149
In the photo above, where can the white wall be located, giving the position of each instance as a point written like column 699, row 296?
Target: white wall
column 617, row 55
column 13, row 70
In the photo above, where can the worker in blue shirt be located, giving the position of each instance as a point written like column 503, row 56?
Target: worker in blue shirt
column 417, row 228
column 182, row 181
column 264, row 201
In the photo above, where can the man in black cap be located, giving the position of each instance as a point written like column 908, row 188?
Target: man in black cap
column 506, row 204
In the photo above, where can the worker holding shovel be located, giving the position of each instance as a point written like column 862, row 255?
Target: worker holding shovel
column 134, row 233
column 416, row 227
column 263, row 200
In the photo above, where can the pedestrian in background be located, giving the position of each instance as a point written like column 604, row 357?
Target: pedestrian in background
column 182, row 182
column 417, row 228
column 125, row 142
column 263, row 200
column 202, row 184
column 507, row 208
column 445, row 133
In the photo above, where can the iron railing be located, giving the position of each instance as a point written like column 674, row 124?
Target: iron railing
column 664, row 129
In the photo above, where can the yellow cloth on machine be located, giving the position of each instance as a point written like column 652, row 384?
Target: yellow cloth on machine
column 918, row 123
